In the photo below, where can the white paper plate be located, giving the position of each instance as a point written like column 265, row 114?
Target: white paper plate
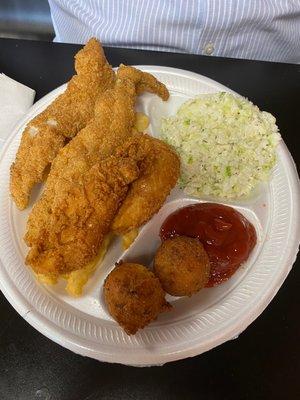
column 195, row 324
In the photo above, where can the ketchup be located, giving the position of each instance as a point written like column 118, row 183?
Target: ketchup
column 227, row 236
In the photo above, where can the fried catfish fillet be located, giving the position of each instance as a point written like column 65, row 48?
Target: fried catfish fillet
column 79, row 221
column 159, row 172
column 49, row 131
column 110, row 128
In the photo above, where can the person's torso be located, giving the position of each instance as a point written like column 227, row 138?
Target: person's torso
column 256, row 29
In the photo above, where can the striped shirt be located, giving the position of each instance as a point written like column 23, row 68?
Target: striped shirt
column 253, row 29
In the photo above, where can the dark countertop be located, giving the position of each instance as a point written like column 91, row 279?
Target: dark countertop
column 262, row 363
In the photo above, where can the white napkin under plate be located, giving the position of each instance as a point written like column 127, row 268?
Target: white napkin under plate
column 15, row 100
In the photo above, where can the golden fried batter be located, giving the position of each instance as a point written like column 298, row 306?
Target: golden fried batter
column 66, row 200
column 158, row 175
column 134, row 296
column 77, row 223
column 49, row 131
column 182, row 266
column 143, row 81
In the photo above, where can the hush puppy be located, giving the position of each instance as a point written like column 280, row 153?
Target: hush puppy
column 182, row 266
column 134, row 296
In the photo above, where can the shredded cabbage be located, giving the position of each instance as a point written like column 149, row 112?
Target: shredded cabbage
column 226, row 145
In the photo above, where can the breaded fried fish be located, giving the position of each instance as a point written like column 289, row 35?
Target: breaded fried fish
column 159, row 172
column 49, row 131
column 79, row 221
column 110, row 128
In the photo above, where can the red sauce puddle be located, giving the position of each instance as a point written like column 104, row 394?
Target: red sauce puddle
column 227, row 236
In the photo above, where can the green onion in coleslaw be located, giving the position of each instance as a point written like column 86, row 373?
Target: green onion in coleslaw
column 226, row 145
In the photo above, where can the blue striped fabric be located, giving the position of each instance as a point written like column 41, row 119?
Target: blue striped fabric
column 253, row 29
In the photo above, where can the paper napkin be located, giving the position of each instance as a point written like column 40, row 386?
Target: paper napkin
column 15, row 100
